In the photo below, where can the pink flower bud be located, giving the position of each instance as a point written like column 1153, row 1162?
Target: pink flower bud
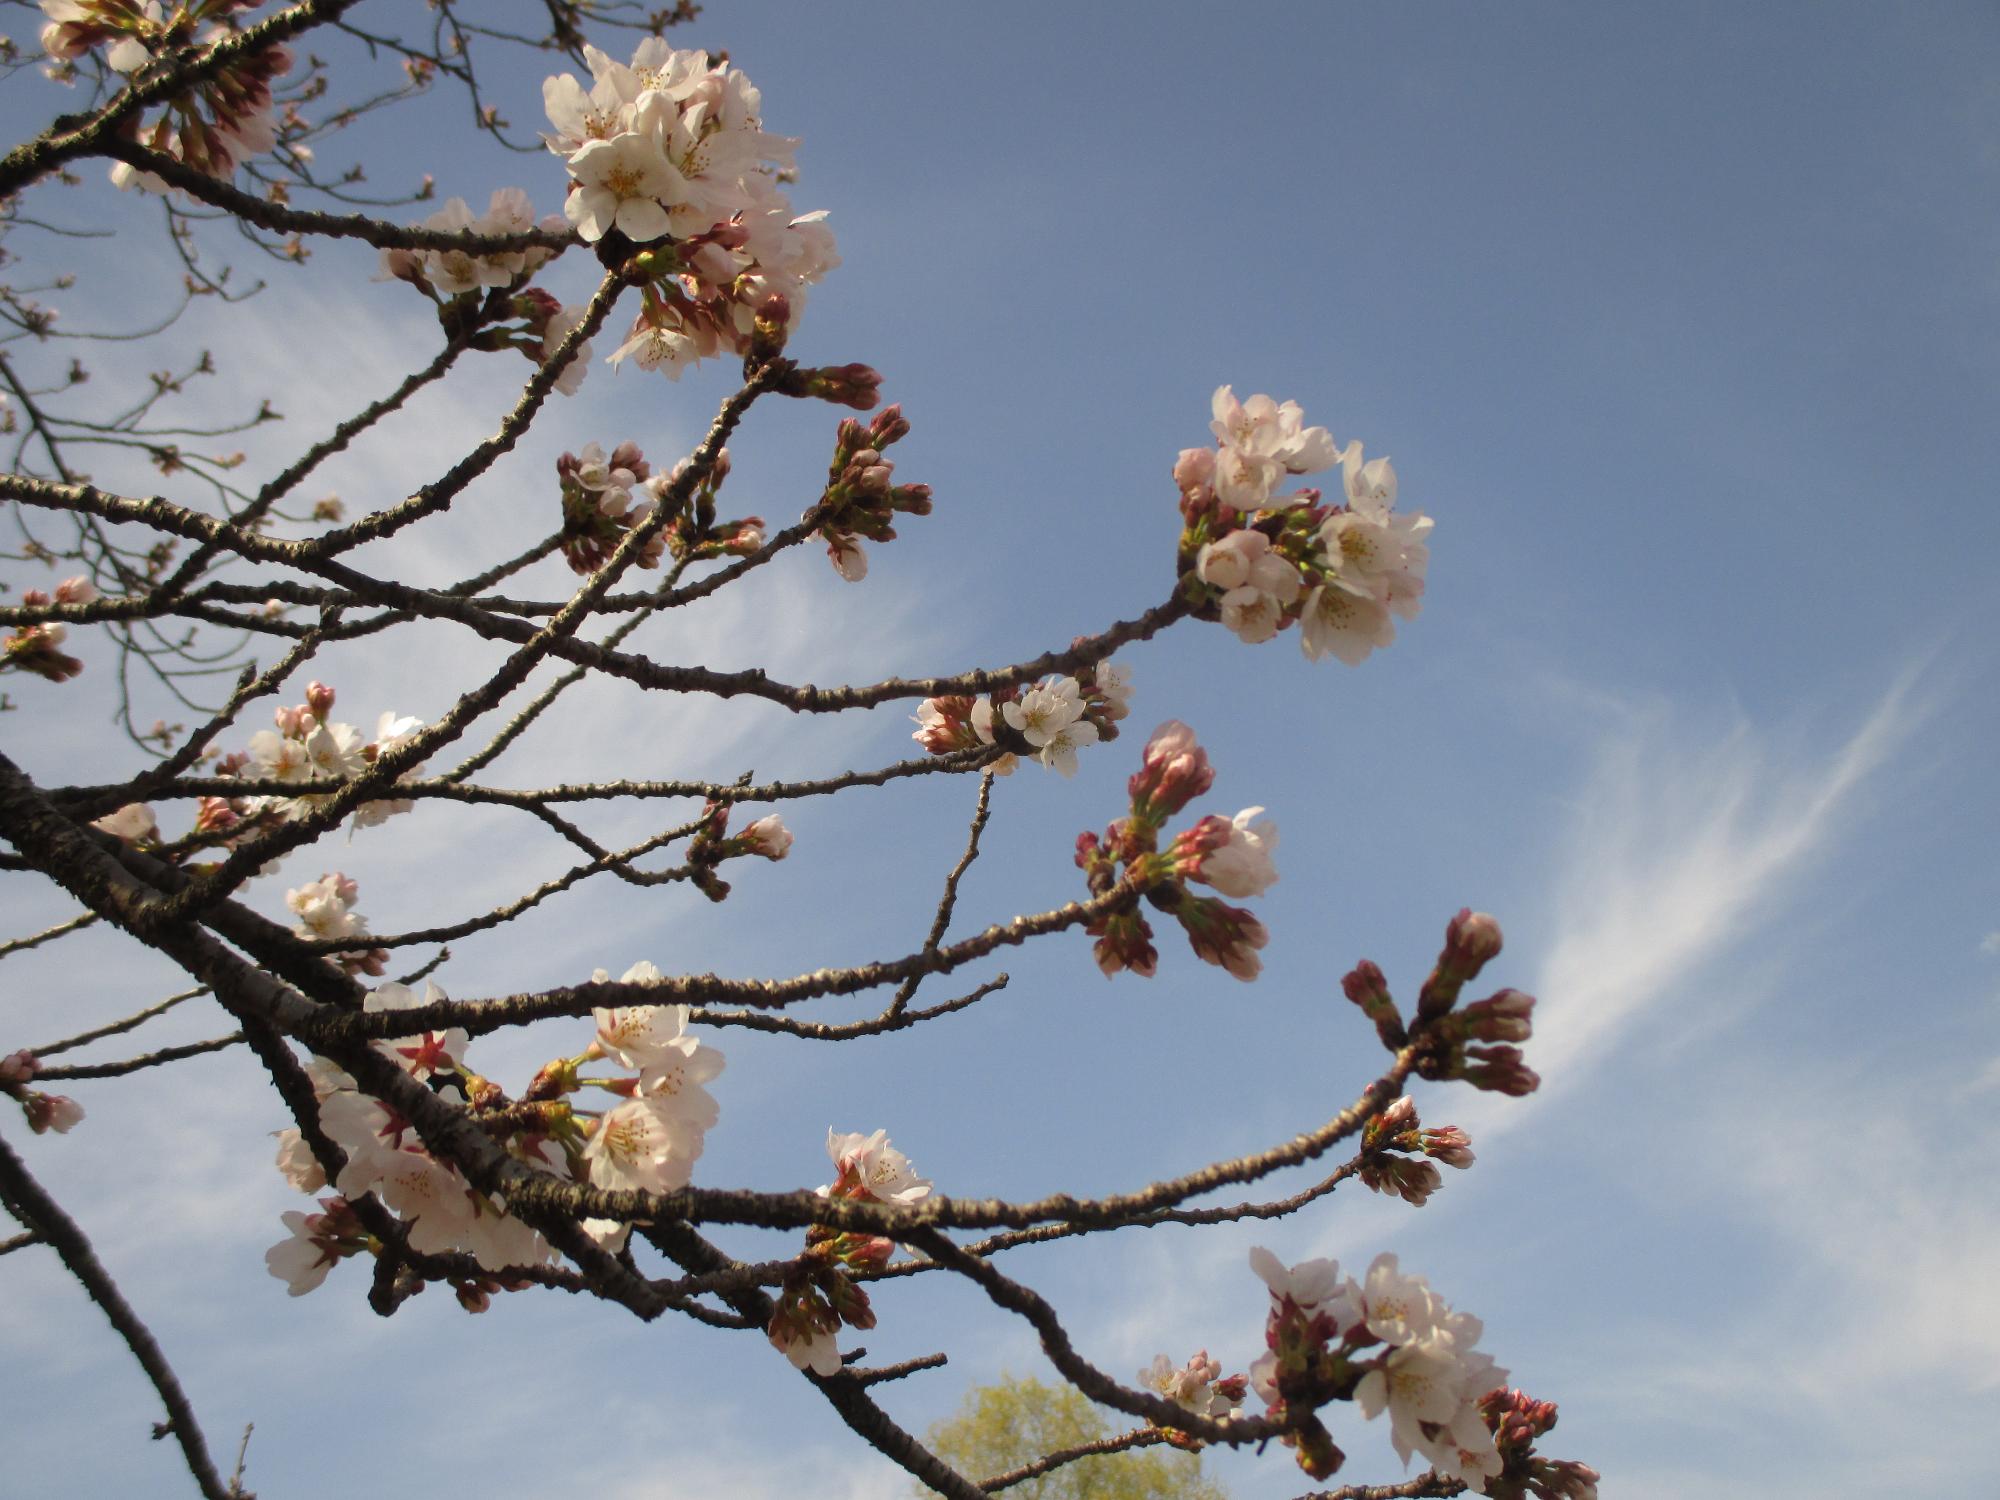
column 1449, row 1145
column 854, row 385
column 767, row 836
column 1367, row 987
column 78, row 590
column 1124, row 941
column 48, row 1112
column 319, row 698
column 1224, row 935
column 1412, row 1181
column 16, row 1068
column 1401, row 1115
column 889, row 426
column 1473, row 939
column 1174, row 772
column 1194, row 469
column 1505, row 1017
column 1470, row 939
column 1499, row 1070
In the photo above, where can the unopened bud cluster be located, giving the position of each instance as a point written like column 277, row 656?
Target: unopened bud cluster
column 1231, row 855
column 862, row 498
column 1391, row 1144
column 1474, row 1042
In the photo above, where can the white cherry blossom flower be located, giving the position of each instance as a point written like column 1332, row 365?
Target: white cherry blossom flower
column 1311, row 1286
column 302, row 1260
column 1059, row 752
column 1045, row 711
column 621, row 184
column 1416, row 1383
column 1400, row 1309
column 643, row 1143
column 132, row 822
column 424, row 1056
column 433, row 1201
column 1465, row 1449
column 768, row 836
column 1260, row 442
column 301, row 1168
column 816, row 1349
column 1243, row 866
column 870, row 1162
column 1114, row 683
column 1339, row 622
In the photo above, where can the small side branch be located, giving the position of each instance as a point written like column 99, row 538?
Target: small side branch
column 48, row 934
column 114, row 1028
column 1139, row 1437
column 146, row 1060
column 27, row 1202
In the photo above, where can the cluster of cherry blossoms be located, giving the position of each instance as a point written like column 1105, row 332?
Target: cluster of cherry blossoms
column 38, row 648
column 307, row 749
column 1230, row 855
column 325, row 909
column 1197, row 1385
column 509, row 314
column 1390, row 1344
column 672, row 148
column 1048, row 721
column 650, row 1140
column 818, row 1295
column 605, row 496
column 45, row 1112
column 223, row 118
column 599, row 505
column 1261, row 562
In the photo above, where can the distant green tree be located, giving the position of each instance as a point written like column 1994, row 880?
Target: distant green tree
column 1011, row 1422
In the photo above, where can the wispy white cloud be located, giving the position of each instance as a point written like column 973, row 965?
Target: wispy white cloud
column 1679, row 848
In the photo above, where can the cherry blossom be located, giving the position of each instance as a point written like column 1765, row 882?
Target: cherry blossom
column 1196, row 1385
column 1234, row 856
column 133, row 823
column 767, row 836
column 425, row 1056
column 619, row 185
column 1338, row 622
column 643, row 1143
column 869, row 1166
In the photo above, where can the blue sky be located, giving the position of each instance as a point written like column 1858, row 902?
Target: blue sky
column 1680, row 321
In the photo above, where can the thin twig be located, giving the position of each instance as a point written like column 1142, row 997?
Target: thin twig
column 1139, row 1437
column 48, row 935
column 138, row 1018
column 148, row 1060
